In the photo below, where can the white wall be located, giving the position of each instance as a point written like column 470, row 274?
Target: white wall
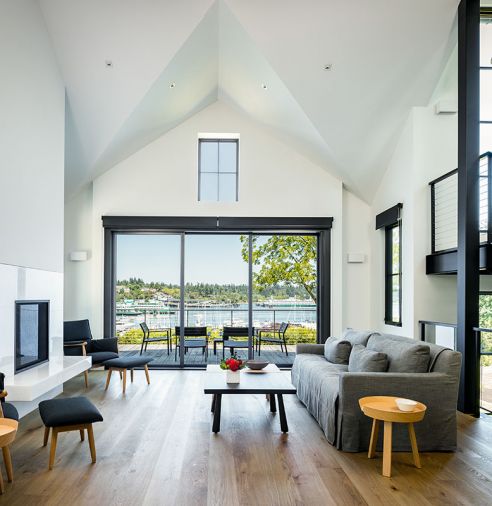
column 427, row 149
column 161, row 179
column 32, row 116
column 357, row 228
column 32, row 104
column 78, row 237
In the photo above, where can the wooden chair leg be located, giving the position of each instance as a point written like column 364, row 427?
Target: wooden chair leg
column 124, row 380
column 108, row 379
column 46, row 435
column 92, row 445
column 54, row 437
column 86, row 378
column 387, row 444
column 8, row 463
column 146, row 369
column 2, row 486
column 413, row 442
column 121, row 375
column 82, row 437
column 131, row 375
column 374, row 439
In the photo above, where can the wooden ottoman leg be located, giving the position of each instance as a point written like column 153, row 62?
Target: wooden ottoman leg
column 82, row 437
column 121, row 375
column 413, row 442
column 86, row 378
column 146, row 369
column 46, row 435
column 2, row 487
column 8, row 463
column 388, row 441
column 108, row 379
column 131, row 374
column 374, row 439
column 54, row 437
column 92, row 445
column 124, row 380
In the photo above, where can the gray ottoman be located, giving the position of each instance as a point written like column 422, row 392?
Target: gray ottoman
column 64, row 415
column 122, row 364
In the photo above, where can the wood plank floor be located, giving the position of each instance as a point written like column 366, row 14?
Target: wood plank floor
column 155, row 447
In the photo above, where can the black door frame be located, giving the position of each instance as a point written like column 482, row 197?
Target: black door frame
column 321, row 227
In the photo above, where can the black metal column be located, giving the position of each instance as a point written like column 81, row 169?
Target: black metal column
column 250, row 298
column 468, row 198
column 109, row 283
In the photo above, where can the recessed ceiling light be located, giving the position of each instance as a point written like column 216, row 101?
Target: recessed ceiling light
column 172, row 85
column 264, row 86
column 327, row 66
column 109, row 63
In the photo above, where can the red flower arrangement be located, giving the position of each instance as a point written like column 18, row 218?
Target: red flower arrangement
column 233, row 364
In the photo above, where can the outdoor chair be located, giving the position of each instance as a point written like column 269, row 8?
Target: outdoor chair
column 277, row 338
column 77, row 340
column 227, row 333
column 147, row 339
column 7, row 410
column 194, row 337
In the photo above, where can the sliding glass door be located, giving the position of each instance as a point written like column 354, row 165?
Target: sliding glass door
column 147, row 295
column 190, row 297
column 215, row 297
column 284, row 294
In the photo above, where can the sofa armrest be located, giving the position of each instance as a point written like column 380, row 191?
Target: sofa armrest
column 435, row 390
column 105, row 344
column 438, row 391
column 315, row 349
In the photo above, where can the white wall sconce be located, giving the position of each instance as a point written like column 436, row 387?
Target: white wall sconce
column 78, row 256
column 356, row 258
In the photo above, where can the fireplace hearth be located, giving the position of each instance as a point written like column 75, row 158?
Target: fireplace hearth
column 31, row 333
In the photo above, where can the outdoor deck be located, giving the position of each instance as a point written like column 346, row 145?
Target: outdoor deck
column 195, row 357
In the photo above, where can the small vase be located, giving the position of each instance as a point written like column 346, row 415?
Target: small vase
column 232, row 376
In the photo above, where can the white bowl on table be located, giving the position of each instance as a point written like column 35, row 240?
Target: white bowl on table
column 406, row 404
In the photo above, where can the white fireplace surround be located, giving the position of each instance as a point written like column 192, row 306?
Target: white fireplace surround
column 26, row 388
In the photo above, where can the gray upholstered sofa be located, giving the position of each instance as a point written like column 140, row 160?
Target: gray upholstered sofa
column 331, row 393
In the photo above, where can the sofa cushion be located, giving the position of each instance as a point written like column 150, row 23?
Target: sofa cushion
column 365, row 360
column 404, row 354
column 337, row 351
column 357, row 336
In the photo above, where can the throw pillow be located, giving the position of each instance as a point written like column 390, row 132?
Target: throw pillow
column 364, row 360
column 403, row 354
column 337, row 351
column 357, row 336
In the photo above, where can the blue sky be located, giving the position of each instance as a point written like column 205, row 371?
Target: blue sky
column 209, row 258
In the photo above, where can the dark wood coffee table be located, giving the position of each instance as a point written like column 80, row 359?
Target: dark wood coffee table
column 272, row 383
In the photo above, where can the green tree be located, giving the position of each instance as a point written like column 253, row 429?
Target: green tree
column 283, row 260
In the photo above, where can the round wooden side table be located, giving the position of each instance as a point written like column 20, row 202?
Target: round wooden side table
column 8, row 430
column 384, row 409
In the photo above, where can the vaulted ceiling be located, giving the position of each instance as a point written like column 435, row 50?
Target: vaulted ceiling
column 386, row 56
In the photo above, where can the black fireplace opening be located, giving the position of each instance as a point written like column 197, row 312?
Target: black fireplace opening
column 31, row 333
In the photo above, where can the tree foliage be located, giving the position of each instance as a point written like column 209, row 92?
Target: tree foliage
column 283, row 260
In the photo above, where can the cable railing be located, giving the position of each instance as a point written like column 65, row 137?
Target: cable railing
column 215, row 317
column 444, row 334
column 444, row 207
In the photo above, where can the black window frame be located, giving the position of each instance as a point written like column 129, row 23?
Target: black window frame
column 389, row 274
column 203, row 140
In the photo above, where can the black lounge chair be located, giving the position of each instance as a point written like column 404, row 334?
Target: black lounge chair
column 7, row 410
column 77, row 340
